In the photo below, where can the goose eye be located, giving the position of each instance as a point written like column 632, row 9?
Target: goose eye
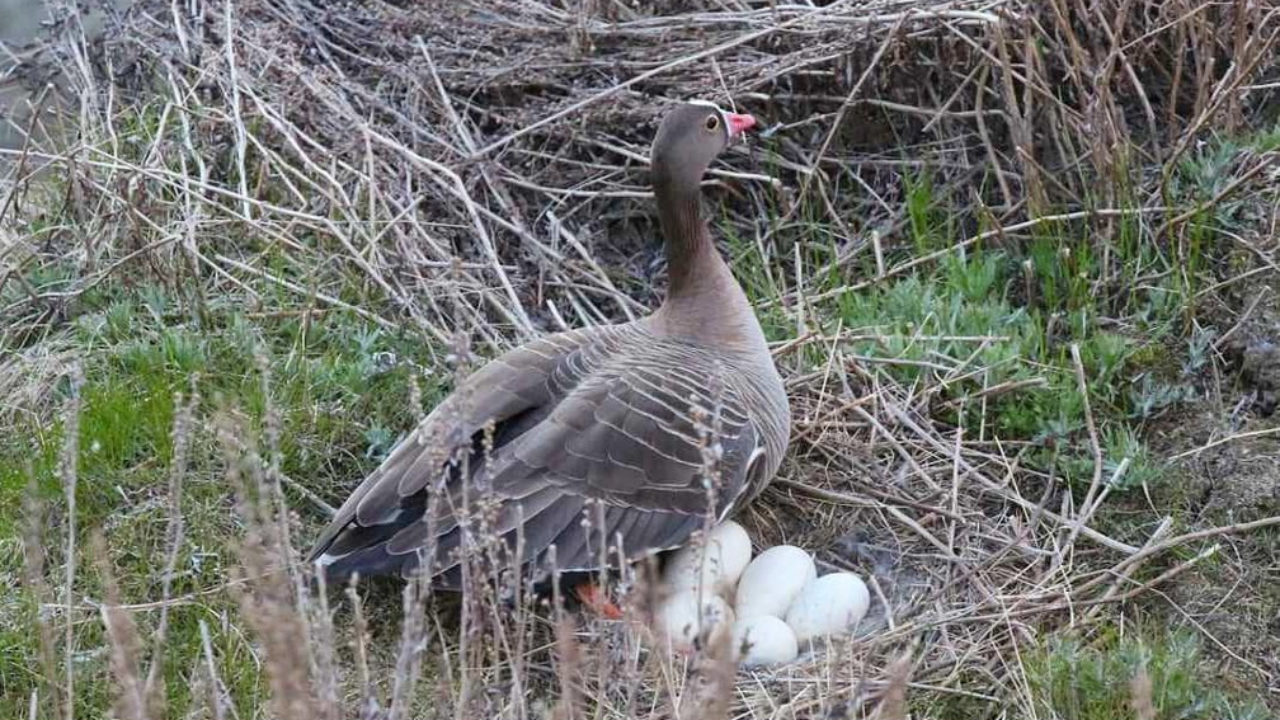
column 712, row 123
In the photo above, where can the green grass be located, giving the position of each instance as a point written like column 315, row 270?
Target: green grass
column 1101, row 285
column 929, row 325
column 1076, row 680
column 1068, row 676
column 341, row 386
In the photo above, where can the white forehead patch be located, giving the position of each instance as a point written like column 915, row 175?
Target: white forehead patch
column 707, row 103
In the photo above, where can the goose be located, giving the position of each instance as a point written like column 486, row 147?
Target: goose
column 592, row 429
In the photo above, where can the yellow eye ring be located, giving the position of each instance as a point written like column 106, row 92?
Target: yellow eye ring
column 713, row 123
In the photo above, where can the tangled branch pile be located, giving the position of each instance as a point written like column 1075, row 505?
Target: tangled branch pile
column 514, row 134
column 480, row 166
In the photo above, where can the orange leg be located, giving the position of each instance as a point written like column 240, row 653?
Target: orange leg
column 594, row 597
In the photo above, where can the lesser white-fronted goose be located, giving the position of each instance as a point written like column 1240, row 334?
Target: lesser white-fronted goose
column 600, row 414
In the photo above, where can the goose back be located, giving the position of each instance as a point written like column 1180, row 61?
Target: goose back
column 605, row 416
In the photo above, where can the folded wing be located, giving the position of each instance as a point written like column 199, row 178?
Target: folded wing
column 596, row 438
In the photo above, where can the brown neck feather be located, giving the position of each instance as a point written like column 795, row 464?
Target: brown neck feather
column 704, row 302
column 690, row 252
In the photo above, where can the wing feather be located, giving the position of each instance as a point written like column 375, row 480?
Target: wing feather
column 579, row 418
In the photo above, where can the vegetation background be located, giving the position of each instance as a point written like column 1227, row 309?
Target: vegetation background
column 1017, row 260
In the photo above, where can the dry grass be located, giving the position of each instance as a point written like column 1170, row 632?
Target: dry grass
column 474, row 173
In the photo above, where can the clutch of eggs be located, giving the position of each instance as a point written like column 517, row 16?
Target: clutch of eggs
column 779, row 603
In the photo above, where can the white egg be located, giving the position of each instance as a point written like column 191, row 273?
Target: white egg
column 681, row 619
column 829, row 605
column 772, row 581
column 767, row 640
column 721, row 557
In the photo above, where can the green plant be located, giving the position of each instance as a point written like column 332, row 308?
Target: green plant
column 1070, row 679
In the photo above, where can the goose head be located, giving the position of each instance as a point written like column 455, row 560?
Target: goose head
column 689, row 138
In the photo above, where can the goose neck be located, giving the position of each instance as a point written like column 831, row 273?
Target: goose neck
column 690, row 253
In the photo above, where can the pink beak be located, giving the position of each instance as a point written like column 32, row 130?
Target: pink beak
column 739, row 124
